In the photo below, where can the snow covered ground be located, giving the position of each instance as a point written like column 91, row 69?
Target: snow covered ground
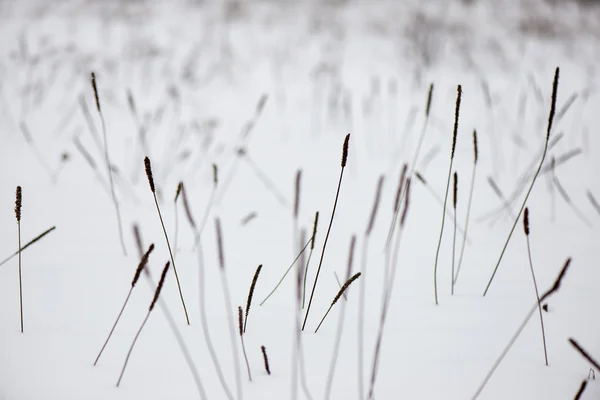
column 197, row 74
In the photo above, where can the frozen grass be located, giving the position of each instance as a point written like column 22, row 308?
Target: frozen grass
column 284, row 83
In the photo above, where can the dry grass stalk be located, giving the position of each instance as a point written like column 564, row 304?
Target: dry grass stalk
column 154, row 300
column 18, row 206
column 32, row 241
column 142, row 264
column 550, row 121
column 537, row 293
column 464, row 242
column 240, row 324
column 250, row 294
column 340, row 292
column 312, row 246
column 437, row 253
column 549, row 292
column 148, row 168
column 108, row 165
column 344, row 160
column 454, row 198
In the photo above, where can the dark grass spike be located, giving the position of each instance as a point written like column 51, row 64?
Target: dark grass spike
column 363, row 269
column 266, row 359
column 18, row 207
column 138, row 271
column 454, row 198
column 584, row 353
column 550, row 120
column 581, row 390
column 108, row 165
column 228, row 308
column 437, row 253
column 337, row 279
column 537, row 293
column 286, row 273
column 251, row 294
column 154, row 300
column 590, row 197
column 340, row 292
column 512, row 341
column 344, row 160
column 297, row 193
column 312, row 246
column 240, row 327
column 340, row 327
column 32, row 241
column 188, row 210
column 148, row 167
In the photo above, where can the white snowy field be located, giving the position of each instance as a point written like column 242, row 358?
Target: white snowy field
column 286, row 81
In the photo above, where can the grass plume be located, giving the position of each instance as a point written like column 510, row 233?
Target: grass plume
column 148, row 167
column 339, row 294
column 108, row 164
column 154, row 300
column 437, row 252
column 250, row 294
column 344, row 160
column 550, row 121
column 138, row 271
column 18, row 206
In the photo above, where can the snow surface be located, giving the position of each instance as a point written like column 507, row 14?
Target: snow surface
column 197, row 72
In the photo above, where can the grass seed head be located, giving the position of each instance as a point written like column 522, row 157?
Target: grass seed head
column 18, row 203
column 429, row 97
column 148, row 167
column 345, row 150
column 456, row 115
column 475, row 153
column 526, row 220
column 93, row 78
column 160, row 285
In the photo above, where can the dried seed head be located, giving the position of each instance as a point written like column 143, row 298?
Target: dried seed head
column 558, row 281
column 178, row 191
column 142, row 264
column 160, row 285
column 240, row 320
column 400, row 186
column 475, row 153
column 251, row 291
column 345, row 150
column 455, row 188
column 18, row 203
column 266, row 359
column 131, row 102
column 215, row 174
column 375, row 205
column 314, row 234
column 429, row 97
column 421, row 178
column 95, row 91
column 149, row 174
column 138, row 239
column 351, row 255
column 406, row 202
column 297, row 193
column 526, row 221
column 553, row 103
column 186, row 207
column 343, row 288
column 219, row 243
column 261, row 103
column 456, row 114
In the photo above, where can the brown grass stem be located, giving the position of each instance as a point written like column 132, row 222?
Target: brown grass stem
column 108, row 165
column 537, row 293
column 148, row 168
column 240, row 324
column 344, row 159
column 312, row 246
column 513, row 339
column 550, row 120
column 154, row 300
column 437, row 252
